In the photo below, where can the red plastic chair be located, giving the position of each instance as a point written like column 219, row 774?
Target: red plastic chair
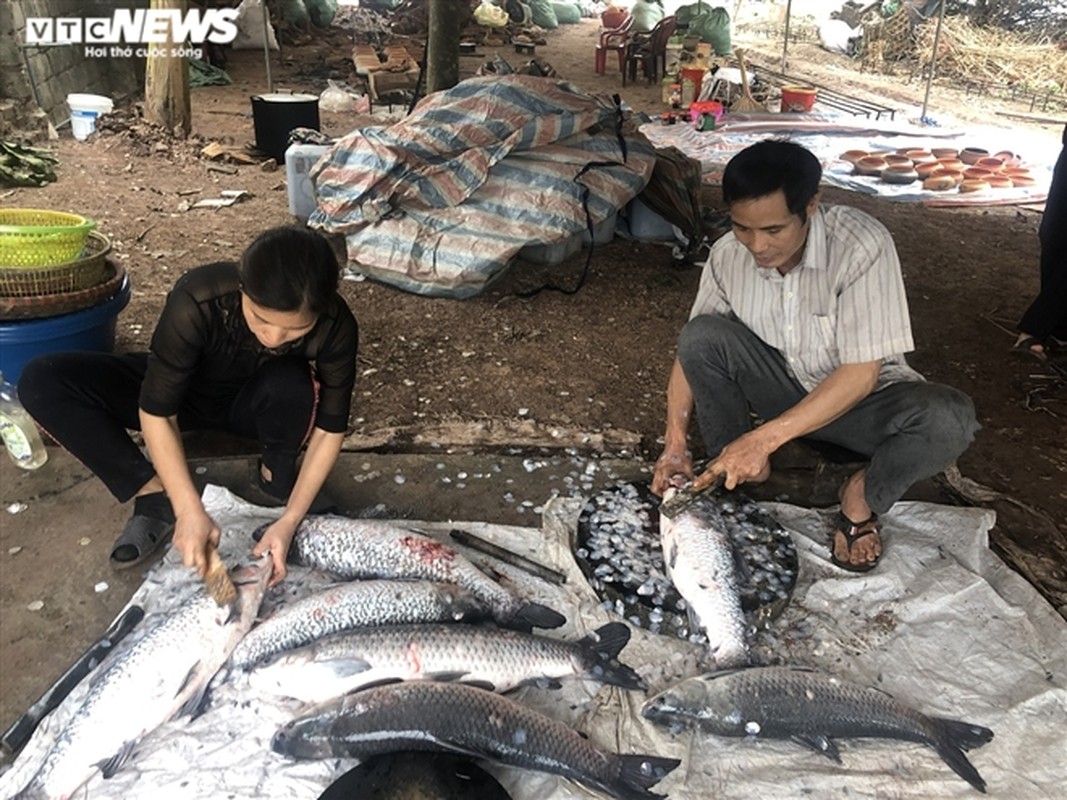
column 650, row 51
column 614, row 39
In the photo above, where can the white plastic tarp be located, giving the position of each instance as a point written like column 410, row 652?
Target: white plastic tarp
column 942, row 624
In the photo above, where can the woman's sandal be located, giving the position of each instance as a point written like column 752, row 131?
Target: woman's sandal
column 854, row 532
column 140, row 540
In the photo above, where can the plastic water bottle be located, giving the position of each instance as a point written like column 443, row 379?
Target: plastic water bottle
column 20, row 434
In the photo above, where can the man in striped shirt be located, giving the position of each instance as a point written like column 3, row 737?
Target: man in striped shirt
column 801, row 318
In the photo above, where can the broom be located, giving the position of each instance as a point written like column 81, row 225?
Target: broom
column 746, row 102
column 217, row 579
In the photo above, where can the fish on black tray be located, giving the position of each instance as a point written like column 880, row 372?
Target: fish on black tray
column 701, row 563
column 358, row 604
column 813, row 708
column 455, row 718
column 371, row 548
column 491, row 657
column 618, row 548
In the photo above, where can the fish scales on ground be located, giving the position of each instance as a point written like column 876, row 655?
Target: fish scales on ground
column 619, row 551
column 368, row 548
column 144, row 686
column 346, row 606
column 813, row 708
column 487, row 656
column 701, row 562
column 455, row 718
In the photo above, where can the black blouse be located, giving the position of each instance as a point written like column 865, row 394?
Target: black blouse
column 203, row 352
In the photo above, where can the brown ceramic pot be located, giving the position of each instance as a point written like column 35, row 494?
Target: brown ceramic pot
column 900, row 174
column 951, row 163
column 928, row 168
column 870, row 165
column 897, row 159
column 920, row 156
column 1009, row 158
column 992, row 164
column 1021, row 181
column 973, row 186
column 939, row 183
column 955, row 174
column 945, row 152
column 968, row 155
column 999, row 182
column 976, row 174
column 852, row 156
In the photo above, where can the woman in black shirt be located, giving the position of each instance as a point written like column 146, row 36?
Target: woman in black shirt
column 264, row 348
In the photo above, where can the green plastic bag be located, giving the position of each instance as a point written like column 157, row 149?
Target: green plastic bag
column 295, row 12
column 544, row 15
column 321, row 12
column 567, row 13
column 713, row 27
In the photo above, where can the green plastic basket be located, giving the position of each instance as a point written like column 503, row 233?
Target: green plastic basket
column 37, row 238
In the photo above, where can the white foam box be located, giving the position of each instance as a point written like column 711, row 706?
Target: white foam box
column 299, row 159
column 646, row 225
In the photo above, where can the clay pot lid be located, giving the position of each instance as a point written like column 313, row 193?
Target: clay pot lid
column 992, row 164
column 955, row 174
column 968, row 155
column 1009, row 158
column 972, row 185
column 852, row 156
column 951, row 163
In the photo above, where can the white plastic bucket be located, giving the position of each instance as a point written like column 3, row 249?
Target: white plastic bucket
column 84, row 109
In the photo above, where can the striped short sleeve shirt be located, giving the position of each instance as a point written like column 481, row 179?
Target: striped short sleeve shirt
column 844, row 303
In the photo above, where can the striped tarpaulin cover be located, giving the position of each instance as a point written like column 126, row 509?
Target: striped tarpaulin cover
column 442, row 201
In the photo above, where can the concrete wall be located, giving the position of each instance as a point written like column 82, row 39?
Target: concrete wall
column 35, row 80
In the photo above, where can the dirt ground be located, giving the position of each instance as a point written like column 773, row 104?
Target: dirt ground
column 593, row 363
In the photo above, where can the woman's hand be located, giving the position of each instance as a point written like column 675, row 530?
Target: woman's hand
column 193, row 530
column 670, row 466
column 275, row 541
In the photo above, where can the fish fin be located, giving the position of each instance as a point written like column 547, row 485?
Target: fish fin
column 820, row 744
column 112, row 765
column 953, row 739
column 743, row 570
column 448, row 677
column 382, row 682
column 535, row 615
column 345, row 667
column 486, row 685
column 198, row 701
column 638, row 772
column 601, row 649
column 544, row 682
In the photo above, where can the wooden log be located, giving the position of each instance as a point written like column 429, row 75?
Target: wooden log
column 166, row 100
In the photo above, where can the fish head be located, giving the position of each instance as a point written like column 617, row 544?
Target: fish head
column 462, row 605
column 250, row 580
column 303, row 738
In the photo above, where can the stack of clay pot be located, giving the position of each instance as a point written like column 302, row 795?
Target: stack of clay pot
column 943, row 168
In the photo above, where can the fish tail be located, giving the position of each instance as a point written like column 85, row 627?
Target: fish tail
column 535, row 615
column 954, row 737
column 637, row 773
column 601, row 649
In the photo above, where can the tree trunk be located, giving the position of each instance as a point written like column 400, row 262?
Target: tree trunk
column 166, row 85
column 442, row 46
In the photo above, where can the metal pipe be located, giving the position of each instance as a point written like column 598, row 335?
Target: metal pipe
column 933, row 60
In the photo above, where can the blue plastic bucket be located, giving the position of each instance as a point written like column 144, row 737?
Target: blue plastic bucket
column 89, row 329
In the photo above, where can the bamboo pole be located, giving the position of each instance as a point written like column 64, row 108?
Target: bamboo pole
column 933, row 60
column 785, row 44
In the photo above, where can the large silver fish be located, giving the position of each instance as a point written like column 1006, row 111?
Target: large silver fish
column 812, row 708
column 347, row 606
column 452, row 717
column 700, row 561
column 370, row 548
column 144, row 686
column 495, row 658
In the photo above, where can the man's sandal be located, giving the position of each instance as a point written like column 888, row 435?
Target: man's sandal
column 854, row 532
column 140, row 540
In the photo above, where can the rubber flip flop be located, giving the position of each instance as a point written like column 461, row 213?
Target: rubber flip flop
column 854, row 532
column 140, row 540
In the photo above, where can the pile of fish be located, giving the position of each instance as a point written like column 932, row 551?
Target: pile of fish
column 371, row 548
column 811, row 708
column 619, row 550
